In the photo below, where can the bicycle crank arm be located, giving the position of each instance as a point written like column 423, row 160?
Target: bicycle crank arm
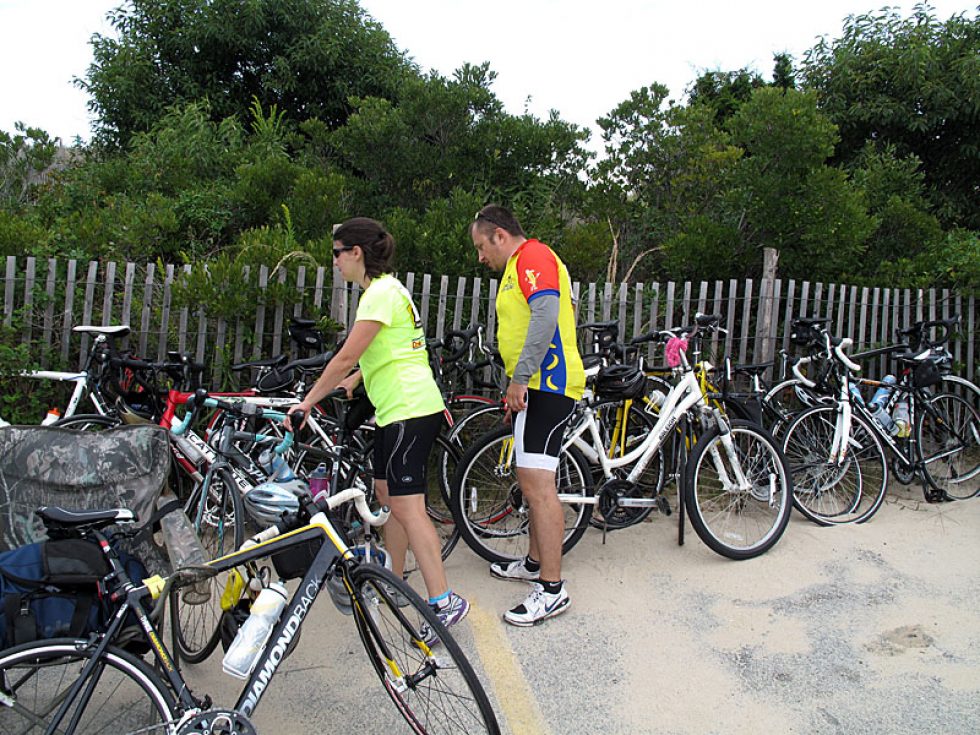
column 637, row 502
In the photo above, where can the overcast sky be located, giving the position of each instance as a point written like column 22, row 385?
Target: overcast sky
column 580, row 57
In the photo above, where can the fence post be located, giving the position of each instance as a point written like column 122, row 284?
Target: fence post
column 69, row 308
column 49, row 308
column 763, row 330
column 8, row 296
column 29, row 277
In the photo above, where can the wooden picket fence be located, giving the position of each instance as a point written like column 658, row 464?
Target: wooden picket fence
column 48, row 297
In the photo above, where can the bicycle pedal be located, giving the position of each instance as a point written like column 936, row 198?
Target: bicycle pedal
column 663, row 505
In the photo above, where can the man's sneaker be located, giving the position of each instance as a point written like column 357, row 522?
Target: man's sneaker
column 513, row 570
column 538, row 607
column 448, row 615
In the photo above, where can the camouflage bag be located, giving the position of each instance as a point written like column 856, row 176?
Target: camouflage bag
column 124, row 467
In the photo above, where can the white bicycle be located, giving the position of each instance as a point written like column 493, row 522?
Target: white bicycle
column 732, row 477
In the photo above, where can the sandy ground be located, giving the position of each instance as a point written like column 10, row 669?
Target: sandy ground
column 858, row 629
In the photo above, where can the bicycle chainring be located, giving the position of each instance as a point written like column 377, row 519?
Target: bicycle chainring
column 903, row 474
column 217, row 722
column 614, row 515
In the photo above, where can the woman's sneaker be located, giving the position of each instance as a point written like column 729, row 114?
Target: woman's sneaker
column 515, row 570
column 538, row 607
column 449, row 614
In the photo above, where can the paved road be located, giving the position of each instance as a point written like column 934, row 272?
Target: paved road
column 859, row 629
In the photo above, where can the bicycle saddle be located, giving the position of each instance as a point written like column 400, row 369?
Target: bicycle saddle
column 120, row 331
column 55, row 518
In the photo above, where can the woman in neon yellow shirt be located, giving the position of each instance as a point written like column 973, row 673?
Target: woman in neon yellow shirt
column 388, row 341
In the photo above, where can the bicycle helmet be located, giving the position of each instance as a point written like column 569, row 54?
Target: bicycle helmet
column 267, row 502
column 620, row 382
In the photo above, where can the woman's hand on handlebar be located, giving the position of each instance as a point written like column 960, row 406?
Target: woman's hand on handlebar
column 302, row 410
column 350, row 383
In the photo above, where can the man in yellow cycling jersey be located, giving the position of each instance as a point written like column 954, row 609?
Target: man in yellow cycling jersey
column 536, row 338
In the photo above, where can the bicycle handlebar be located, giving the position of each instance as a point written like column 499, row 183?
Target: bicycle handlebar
column 800, row 376
column 845, row 360
column 200, row 398
column 325, row 503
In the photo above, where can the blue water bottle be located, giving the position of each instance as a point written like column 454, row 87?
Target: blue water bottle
column 277, row 468
column 880, row 397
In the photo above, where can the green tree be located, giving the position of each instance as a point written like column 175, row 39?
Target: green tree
column 913, row 83
column 307, row 57
column 894, row 189
column 786, row 195
column 24, row 155
column 442, row 134
column 724, row 91
column 664, row 165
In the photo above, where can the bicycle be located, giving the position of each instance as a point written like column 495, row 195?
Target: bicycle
column 734, row 484
column 93, row 685
column 837, row 451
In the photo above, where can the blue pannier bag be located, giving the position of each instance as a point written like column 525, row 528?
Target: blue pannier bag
column 51, row 589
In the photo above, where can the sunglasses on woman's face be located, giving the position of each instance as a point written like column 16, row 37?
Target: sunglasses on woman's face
column 338, row 251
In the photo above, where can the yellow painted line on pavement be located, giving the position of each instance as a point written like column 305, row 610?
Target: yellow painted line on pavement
column 514, row 696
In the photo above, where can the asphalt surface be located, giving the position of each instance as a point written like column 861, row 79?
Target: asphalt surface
column 857, row 629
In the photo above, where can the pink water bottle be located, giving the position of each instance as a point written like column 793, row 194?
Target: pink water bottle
column 320, row 481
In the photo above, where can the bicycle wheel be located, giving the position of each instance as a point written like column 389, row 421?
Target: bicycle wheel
column 830, row 492
column 218, row 521
column 948, row 435
column 736, row 522
column 436, row 692
column 442, row 465
column 489, row 508
column 88, row 422
column 961, row 387
column 783, row 402
column 442, row 460
column 123, row 695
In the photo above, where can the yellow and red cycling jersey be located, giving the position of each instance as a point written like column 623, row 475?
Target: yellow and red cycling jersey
column 532, row 271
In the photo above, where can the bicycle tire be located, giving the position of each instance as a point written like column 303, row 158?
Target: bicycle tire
column 963, row 388
column 784, row 402
column 442, row 459
column 948, row 439
column 831, row 493
column 127, row 697
column 442, row 465
column 435, row 692
column 88, row 422
column 197, row 626
column 491, row 514
column 735, row 523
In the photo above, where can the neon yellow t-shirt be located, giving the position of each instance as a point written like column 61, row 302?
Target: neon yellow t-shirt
column 532, row 271
column 395, row 366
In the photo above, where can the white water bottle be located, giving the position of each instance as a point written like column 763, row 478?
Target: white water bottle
column 243, row 653
column 655, row 400
column 901, row 418
column 52, row 415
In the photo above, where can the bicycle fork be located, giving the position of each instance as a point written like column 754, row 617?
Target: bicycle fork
column 740, row 483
